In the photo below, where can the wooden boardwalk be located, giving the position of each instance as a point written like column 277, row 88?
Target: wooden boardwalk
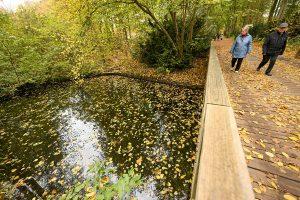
column 267, row 111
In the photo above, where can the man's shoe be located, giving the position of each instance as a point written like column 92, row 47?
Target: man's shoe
column 258, row 69
column 232, row 68
column 268, row 74
column 236, row 71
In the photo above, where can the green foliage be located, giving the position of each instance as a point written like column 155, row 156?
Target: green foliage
column 260, row 30
column 52, row 41
column 157, row 51
column 100, row 185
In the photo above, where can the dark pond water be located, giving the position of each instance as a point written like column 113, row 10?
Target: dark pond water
column 55, row 135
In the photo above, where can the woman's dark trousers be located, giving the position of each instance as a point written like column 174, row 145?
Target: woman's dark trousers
column 265, row 60
column 238, row 65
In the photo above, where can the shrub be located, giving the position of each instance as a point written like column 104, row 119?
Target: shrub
column 157, row 51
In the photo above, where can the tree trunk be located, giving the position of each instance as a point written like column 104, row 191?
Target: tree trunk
column 175, row 22
column 272, row 10
column 282, row 9
column 233, row 27
column 277, row 8
column 192, row 24
column 182, row 37
column 146, row 10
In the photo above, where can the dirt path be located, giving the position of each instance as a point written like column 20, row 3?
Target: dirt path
column 267, row 111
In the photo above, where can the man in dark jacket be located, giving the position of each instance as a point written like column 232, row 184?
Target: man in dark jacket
column 273, row 46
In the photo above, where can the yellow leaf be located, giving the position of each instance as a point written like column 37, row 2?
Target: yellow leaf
column 289, row 197
column 139, row 161
column 294, row 168
column 52, row 180
column 280, row 164
column 40, row 163
column 160, row 176
column 89, row 189
column 91, row 194
column 294, row 138
column 285, row 154
column 260, row 156
column 13, row 170
column 247, row 150
column 274, row 185
column 105, row 179
column 76, row 169
column 246, row 140
column 177, row 169
column 249, row 157
column 263, row 188
column 262, row 144
column 257, row 190
column 269, row 154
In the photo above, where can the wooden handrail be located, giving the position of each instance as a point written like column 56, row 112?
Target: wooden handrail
column 220, row 170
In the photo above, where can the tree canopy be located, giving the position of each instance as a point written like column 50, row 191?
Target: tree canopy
column 50, row 40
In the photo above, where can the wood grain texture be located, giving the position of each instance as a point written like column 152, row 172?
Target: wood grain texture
column 223, row 172
column 220, row 170
column 215, row 88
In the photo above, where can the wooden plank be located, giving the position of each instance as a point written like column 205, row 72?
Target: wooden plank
column 223, row 172
column 282, row 183
column 215, row 89
column 268, row 167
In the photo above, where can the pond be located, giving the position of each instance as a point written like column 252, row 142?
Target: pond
column 54, row 135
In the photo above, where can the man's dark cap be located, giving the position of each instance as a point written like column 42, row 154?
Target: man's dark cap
column 283, row 25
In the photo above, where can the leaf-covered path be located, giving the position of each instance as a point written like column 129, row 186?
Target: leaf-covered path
column 267, row 111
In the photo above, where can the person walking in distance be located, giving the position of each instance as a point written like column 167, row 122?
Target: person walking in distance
column 240, row 48
column 273, row 46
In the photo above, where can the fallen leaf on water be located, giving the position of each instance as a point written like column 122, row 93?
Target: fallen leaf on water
column 105, row 179
column 52, row 180
column 76, row 169
column 13, row 170
column 139, row 161
column 40, row 163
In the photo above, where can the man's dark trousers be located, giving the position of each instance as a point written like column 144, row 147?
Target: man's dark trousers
column 266, row 58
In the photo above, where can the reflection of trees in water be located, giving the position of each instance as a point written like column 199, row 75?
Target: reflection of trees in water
column 154, row 119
